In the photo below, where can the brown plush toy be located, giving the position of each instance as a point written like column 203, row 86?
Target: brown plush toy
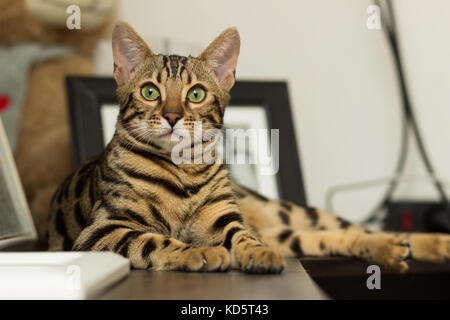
column 42, row 145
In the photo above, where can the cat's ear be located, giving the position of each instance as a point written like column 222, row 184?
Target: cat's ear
column 221, row 56
column 129, row 50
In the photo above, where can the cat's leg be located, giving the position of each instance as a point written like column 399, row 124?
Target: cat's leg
column 432, row 247
column 277, row 219
column 219, row 222
column 295, row 230
column 424, row 246
column 381, row 248
column 145, row 249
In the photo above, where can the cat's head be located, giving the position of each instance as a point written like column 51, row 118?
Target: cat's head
column 164, row 95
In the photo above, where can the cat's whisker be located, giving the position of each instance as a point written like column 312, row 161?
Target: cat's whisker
column 212, row 125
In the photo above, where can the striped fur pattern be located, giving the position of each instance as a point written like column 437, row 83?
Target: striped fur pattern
column 134, row 200
column 304, row 231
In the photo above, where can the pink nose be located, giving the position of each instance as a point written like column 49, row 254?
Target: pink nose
column 172, row 117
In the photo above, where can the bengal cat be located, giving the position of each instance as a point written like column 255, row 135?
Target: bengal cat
column 134, row 200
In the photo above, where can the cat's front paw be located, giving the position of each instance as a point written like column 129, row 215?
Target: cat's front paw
column 260, row 260
column 430, row 247
column 205, row 259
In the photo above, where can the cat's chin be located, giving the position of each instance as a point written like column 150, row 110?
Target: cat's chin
column 168, row 141
column 173, row 137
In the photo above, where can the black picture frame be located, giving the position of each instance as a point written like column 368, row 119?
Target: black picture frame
column 86, row 95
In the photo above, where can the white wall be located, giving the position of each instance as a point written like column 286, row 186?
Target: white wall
column 344, row 95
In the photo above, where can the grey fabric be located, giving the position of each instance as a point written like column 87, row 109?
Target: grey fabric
column 15, row 64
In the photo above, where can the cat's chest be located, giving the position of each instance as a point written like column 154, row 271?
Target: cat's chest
column 182, row 214
column 182, row 210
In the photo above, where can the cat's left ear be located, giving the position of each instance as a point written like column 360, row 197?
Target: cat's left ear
column 221, row 56
column 129, row 50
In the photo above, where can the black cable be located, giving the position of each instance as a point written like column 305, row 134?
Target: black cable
column 408, row 119
column 409, row 111
column 404, row 144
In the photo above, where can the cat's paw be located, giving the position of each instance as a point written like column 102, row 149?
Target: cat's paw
column 386, row 250
column 205, row 259
column 260, row 259
column 430, row 247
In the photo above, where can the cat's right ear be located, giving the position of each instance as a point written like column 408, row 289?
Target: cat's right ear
column 129, row 50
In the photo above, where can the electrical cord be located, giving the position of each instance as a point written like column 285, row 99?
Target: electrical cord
column 408, row 119
column 376, row 213
column 439, row 221
column 356, row 186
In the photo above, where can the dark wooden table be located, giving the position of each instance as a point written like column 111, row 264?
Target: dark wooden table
column 292, row 283
column 344, row 278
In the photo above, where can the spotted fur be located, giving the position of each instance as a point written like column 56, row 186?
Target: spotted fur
column 134, row 200
column 304, row 231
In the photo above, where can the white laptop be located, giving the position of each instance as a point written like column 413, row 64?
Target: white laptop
column 44, row 275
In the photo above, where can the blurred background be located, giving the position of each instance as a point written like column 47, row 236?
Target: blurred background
column 345, row 97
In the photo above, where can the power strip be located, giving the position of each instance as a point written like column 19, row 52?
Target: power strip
column 411, row 215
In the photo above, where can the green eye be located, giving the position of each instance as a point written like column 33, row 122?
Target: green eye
column 196, row 94
column 150, row 92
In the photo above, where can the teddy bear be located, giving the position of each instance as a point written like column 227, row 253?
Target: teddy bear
column 41, row 43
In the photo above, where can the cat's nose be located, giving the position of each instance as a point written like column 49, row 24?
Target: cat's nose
column 172, row 117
